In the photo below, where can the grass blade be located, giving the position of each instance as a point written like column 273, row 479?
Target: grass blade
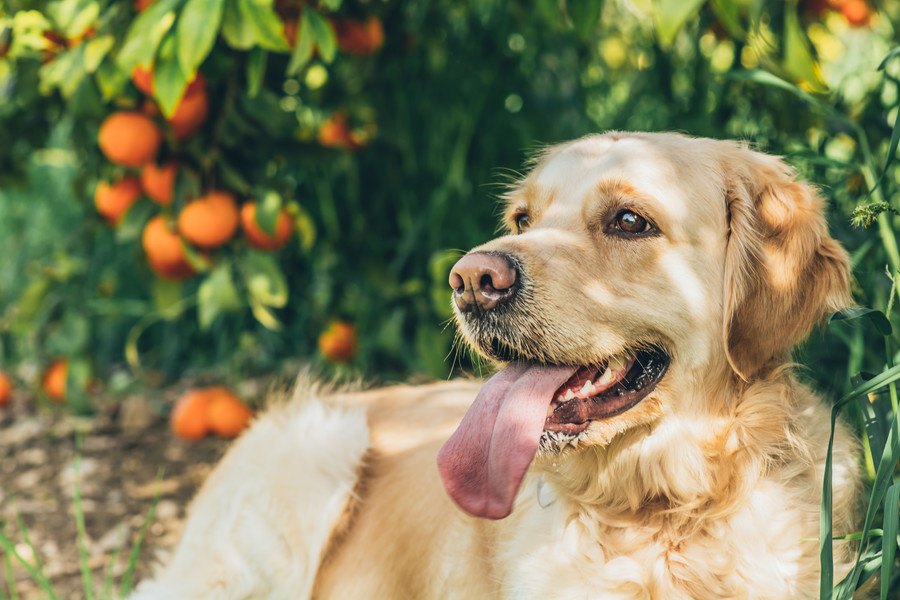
column 128, row 575
column 826, row 554
column 883, row 478
column 889, row 540
column 36, row 574
column 86, row 576
column 9, row 575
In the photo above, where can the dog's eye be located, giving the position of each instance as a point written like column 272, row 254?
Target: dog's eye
column 631, row 223
column 522, row 222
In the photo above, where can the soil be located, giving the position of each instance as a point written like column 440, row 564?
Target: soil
column 127, row 457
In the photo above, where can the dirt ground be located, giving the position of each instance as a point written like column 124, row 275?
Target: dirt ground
column 127, row 454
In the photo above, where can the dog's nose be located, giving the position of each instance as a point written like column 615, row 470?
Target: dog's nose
column 482, row 280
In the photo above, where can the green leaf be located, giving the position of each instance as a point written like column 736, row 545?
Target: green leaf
column 585, row 16
column 169, row 81
column 199, row 262
column 889, row 539
column 303, row 51
column 798, row 58
column 265, row 316
column 267, row 27
column 876, row 317
column 890, row 56
column 73, row 17
column 331, row 5
column 882, row 478
column 304, row 226
column 167, row 298
column 256, row 71
column 110, row 79
column 235, row 29
column 146, row 33
column 198, row 25
column 64, row 73
column 729, row 14
column 670, row 16
column 217, row 295
column 267, row 212
column 264, row 280
column 132, row 224
column 324, row 35
column 96, row 50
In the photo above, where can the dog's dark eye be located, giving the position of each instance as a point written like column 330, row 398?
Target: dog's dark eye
column 522, row 222
column 631, row 223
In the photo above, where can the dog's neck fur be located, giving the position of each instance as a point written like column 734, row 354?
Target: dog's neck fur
column 718, row 459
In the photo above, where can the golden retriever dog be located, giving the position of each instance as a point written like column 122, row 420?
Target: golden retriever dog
column 645, row 435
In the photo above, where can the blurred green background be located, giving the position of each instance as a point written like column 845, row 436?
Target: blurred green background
column 387, row 130
column 384, row 131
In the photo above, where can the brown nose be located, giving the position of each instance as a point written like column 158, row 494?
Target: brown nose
column 482, row 280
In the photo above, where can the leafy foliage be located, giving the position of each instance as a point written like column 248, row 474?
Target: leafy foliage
column 383, row 130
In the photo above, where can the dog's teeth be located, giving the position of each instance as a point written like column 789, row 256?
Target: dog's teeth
column 614, row 370
column 587, row 388
column 569, row 394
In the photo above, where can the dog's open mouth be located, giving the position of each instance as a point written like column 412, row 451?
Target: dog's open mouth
column 593, row 393
column 483, row 463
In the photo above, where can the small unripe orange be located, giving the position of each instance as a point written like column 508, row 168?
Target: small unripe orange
column 191, row 112
column 336, row 133
column 159, row 182
column 6, row 388
column 259, row 238
column 338, row 343
column 359, row 37
column 227, row 415
column 129, row 138
column 54, row 380
column 210, row 220
column 142, row 78
column 188, row 419
column 114, row 199
column 164, row 250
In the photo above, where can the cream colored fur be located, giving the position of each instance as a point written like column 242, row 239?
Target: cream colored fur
column 709, row 488
column 261, row 523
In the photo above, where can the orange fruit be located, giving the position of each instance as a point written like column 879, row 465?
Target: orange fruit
column 142, row 5
column 290, row 32
column 159, row 181
column 227, row 415
column 164, row 250
column 259, row 238
column 142, row 78
column 359, row 37
column 335, row 133
column 191, row 112
column 188, row 419
column 210, row 220
column 338, row 343
column 114, row 199
column 129, row 138
column 6, row 388
column 857, row 12
column 54, row 380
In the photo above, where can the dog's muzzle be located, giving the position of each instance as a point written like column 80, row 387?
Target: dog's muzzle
column 482, row 281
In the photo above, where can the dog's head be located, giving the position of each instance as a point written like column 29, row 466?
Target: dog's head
column 642, row 276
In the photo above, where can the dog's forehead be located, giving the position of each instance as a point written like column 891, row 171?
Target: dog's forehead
column 665, row 171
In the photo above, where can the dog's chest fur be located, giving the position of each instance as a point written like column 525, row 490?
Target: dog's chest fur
column 565, row 551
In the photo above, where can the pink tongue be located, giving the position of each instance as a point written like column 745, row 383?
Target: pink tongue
column 483, row 463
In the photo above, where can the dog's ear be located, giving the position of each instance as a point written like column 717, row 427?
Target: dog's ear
column 783, row 272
